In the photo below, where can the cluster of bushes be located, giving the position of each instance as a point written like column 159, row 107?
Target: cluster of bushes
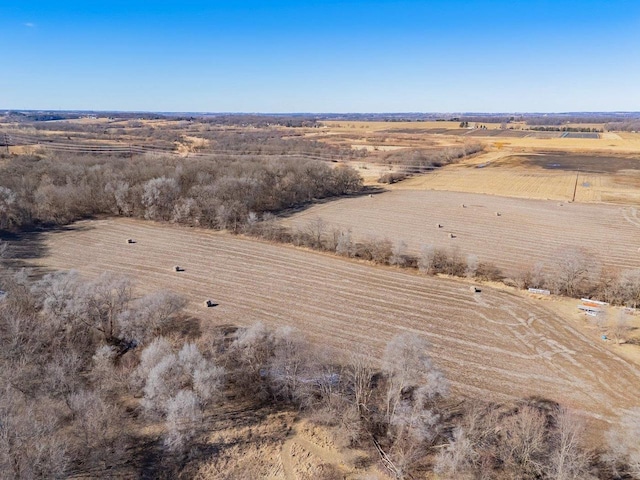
column 87, row 368
column 215, row 193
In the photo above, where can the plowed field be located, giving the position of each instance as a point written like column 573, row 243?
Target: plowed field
column 493, row 344
column 526, row 232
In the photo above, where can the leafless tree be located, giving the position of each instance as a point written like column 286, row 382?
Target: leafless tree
column 184, row 417
column 315, row 231
column 522, row 444
column 426, row 260
column 569, row 460
column 147, row 316
column 573, row 272
column 7, row 202
column 344, row 244
column 159, row 197
column 398, row 254
column 187, row 211
column 375, row 249
column 624, row 448
column 472, row 265
column 630, row 287
column 409, row 367
column 621, row 328
column 287, row 367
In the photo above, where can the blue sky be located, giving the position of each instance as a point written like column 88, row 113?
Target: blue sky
column 321, row 55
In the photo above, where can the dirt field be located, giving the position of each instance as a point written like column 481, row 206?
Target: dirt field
column 600, row 178
column 446, row 133
column 494, row 344
column 527, row 231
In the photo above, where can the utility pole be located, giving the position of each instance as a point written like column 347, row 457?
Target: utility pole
column 6, row 141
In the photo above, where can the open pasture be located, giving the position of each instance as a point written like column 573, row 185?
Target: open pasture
column 492, row 345
column 526, row 232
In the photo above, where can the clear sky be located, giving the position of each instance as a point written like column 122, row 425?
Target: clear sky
column 321, row 55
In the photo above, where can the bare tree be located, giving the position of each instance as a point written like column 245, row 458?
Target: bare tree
column 170, row 373
column 344, row 244
column 630, row 286
column 159, row 197
column 408, row 366
column 398, row 254
column 472, row 265
column 315, row 230
column 568, row 459
column 624, row 448
column 522, row 442
column 621, row 328
column 573, row 272
column 287, row 368
column 184, row 417
column 426, row 260
column 148, row 315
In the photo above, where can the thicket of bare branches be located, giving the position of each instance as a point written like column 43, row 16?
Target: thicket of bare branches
column 86, row 366
column 216, row 192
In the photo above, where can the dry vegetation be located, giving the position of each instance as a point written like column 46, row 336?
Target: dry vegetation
column 527, row 232
column 494, row 345
column 303, row 364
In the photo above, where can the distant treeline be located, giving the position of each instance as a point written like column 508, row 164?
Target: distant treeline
column 566, row 129
column 630, row 126
column 315, row 119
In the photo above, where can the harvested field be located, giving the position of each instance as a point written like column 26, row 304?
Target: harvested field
column 527, row 231
column 601, row 178
column 578, row 163
column 493, row 344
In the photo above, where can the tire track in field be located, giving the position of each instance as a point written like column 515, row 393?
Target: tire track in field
column 495, row 344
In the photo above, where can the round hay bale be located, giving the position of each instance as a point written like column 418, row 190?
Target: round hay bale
column 451, row 235
column 438, row 225
column 498, row 214
column 464, row 206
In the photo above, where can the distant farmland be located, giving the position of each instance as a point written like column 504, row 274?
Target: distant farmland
column 526, row 232
column 492, row 344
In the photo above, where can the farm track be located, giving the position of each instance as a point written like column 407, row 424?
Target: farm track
column 526, row 232
column 495, row 344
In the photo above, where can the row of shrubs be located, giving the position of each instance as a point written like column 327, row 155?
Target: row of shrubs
column 574, row 272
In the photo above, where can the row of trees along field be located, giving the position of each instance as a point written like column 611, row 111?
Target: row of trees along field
column 572, row 272
column 210, row 192
column 97, row 381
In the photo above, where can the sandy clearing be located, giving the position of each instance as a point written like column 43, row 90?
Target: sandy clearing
column 497, row 344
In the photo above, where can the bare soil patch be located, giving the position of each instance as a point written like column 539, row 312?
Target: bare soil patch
column 493, row 345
